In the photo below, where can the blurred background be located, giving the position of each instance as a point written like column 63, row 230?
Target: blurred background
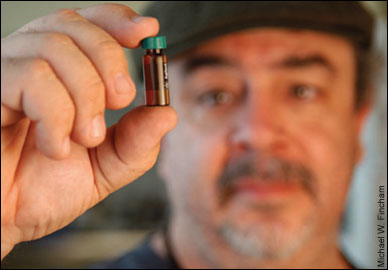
column 119, row 222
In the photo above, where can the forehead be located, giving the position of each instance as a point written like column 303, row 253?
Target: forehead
column 263, row 46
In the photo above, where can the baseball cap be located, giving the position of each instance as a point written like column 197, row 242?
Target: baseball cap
column 187, row 24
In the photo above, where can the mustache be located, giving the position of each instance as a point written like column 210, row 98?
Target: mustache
column 264, row 169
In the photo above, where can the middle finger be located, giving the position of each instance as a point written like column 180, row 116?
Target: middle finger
column 101, row 48
column 77, row 74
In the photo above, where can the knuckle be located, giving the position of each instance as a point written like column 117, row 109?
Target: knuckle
column 68, row 112
column 55, row 41
column 95, row 93
column 118, row 8
column 110, row 49
column 65, row 114
column 66, row 15
column 68, row 107
column 39, row 69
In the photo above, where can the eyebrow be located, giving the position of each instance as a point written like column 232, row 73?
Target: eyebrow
column 296, row 62
column 290, row 62
column 197, row 62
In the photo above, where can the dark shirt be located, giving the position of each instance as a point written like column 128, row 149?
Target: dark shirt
column 142, row 257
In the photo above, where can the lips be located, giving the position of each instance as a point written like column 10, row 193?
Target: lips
column 262, row 188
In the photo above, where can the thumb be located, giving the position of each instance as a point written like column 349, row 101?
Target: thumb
column 131, row 147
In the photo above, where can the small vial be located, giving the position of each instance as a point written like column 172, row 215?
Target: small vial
column 155, row 71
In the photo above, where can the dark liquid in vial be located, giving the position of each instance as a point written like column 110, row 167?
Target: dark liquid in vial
column 156, row 78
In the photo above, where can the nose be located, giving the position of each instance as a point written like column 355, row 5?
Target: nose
column 260, row 125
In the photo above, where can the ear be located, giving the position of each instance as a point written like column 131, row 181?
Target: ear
column 361, row 117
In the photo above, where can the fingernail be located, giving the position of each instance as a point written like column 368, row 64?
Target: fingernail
column 66, row 145
column 137, row 19
column 98, row 126
column 122, row 84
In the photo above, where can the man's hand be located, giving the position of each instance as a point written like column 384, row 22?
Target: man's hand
column 58, row 74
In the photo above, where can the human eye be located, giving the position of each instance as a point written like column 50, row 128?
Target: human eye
column 215, row 98
column 304, row 92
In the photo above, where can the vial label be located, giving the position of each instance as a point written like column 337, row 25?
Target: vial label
column 156, row 79
column 165, row 72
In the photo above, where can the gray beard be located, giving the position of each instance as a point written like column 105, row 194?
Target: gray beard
column 255, row 242
column 271, row 241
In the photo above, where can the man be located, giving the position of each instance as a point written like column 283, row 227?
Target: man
column 271, row 98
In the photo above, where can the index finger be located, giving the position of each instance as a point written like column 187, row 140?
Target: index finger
column 126, row 26
column 99, row 31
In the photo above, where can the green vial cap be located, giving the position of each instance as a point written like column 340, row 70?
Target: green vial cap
column 154, row 43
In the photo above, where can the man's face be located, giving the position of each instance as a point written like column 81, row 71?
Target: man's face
column 267, row 138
